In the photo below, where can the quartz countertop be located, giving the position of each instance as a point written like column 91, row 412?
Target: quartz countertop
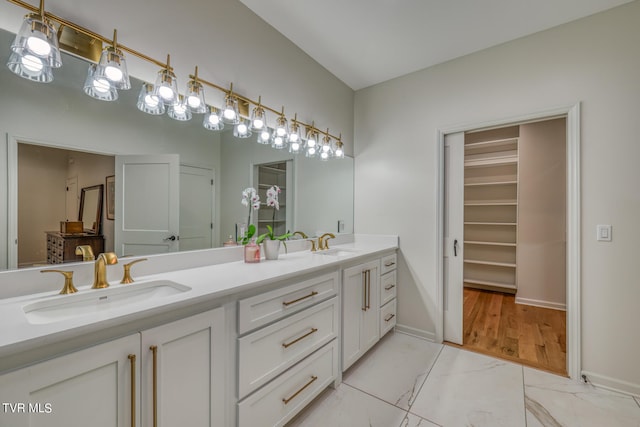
column 208, row 285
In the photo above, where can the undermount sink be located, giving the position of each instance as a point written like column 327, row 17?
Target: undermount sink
column 98, row 300
column 336, row 252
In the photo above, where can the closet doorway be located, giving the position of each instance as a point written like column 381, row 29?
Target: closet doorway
column 505, row 252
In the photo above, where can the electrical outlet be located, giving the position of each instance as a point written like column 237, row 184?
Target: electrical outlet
column 603, row 233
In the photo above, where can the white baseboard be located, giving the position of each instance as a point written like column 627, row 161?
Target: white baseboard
column 613, row 384
column 543, row 304
column 418, row 333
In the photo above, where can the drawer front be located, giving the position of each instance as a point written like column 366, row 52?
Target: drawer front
column 280, row 400
column 264, row 354
column 388, row 287
column 267, row 307
column 388, row 263
column 387, row 317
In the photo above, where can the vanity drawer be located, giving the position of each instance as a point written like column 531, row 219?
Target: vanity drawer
column 284, row 397
column 264, row 354
column 267, row 307
column 387, row 317
column 388, row 263
column 388, row 287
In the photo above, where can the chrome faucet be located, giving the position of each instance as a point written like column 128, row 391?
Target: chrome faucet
column 324, row 244
column 100, row 269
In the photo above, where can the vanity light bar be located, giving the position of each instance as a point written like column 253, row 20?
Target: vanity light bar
column 245, row 100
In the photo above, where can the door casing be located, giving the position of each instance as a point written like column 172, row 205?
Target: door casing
column 573, row 256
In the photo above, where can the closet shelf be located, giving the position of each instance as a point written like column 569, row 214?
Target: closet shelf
column 477, row 242
column 272, row 169
column 512, row 224
column 496, row 143
column 491, row 161
column 267, row 186
column 482, row 184
column 490, row 283
column 495, row 264
column 491, row 203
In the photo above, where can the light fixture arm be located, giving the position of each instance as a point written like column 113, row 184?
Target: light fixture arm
column 115, row 40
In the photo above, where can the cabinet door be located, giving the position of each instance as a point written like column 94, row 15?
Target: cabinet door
column 360, row 308
column 183, row 385
column 91, row 387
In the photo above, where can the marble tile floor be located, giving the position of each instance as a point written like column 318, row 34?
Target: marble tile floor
column 408, row 382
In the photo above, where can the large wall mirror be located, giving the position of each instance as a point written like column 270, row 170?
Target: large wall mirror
column 214, row 166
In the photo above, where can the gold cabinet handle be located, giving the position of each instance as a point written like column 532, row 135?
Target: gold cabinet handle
column 389, row 264
column 154, row 350
column 68, row 287
column 288, row 303
column 289, row 344
column 364, row 290
column 368, row 289
column 388, row 288
column 293, row 396
column 132, row 361
column 391, row 316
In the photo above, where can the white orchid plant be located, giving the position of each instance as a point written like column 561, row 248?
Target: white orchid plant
column 272, row 202
column 251, row 199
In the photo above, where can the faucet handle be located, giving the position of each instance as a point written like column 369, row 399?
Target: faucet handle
column 313, row 245
column 68, row 287
column 126, row 278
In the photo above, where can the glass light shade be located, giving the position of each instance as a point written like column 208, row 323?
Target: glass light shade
column 99, row 87
column 212, row 120
column 242, row 129
column 258, row 119
column 166, row 86
column 326, row 152
column 37, row 37
column 278, row 142
column 30, row 67
column 195, row 97
column 180, row 110
column 149, row 102
column 294, row 135
column 230, row 114
column 264, row 135
column 282, row 127
column 312, row 140
column 113, row 67
column 338, row 153
column 294, row 147
column 310, row 152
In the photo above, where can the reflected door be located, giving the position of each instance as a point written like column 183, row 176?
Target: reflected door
column 196, row 208
column 147, row 204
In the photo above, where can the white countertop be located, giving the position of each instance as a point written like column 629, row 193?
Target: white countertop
column 208, row 284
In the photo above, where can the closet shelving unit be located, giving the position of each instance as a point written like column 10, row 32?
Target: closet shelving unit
column 491, row 214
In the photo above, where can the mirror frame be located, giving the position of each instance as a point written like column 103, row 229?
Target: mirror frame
column 98, row 218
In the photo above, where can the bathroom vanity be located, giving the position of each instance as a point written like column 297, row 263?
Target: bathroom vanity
column 222, row 343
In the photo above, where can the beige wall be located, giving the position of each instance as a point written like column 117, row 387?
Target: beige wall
column 542, row 214
column 594, row 61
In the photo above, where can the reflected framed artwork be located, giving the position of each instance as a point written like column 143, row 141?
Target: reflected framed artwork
column 111, row 196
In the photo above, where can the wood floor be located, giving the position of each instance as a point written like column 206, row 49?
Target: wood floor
column 494, row 324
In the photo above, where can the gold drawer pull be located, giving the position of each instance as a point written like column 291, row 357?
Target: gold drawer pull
column 132, row 360
column 391, row 316
column 389, row 264
column 288, row 303
column 388, row 288
column 154, row 350
column 289, row 344
column 287, row 400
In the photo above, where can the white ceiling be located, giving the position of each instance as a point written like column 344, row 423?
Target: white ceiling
column 365, row 42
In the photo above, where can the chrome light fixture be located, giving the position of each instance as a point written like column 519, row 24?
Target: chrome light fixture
column 281, row 132
column 149, row 102
column 230, row 114
column 166, row 86
column 338, row 153
column 113, row 67
column 195, row 95
column 242, row 129
column 295, row 141
column 180, row 110
column 325, row 149
column 35, row 48
column 212, row 120
column 99, row 87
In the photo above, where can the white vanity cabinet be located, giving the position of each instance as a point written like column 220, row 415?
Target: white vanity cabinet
column 388, row 292
column 97, row 387
column 287, row 349
column 360, row 310
column 183, row 372
column 94, row 387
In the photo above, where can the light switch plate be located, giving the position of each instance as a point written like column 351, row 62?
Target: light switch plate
column 603, row 233
column 340, row 226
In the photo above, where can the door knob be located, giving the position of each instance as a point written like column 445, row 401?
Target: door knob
column 170, row 238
